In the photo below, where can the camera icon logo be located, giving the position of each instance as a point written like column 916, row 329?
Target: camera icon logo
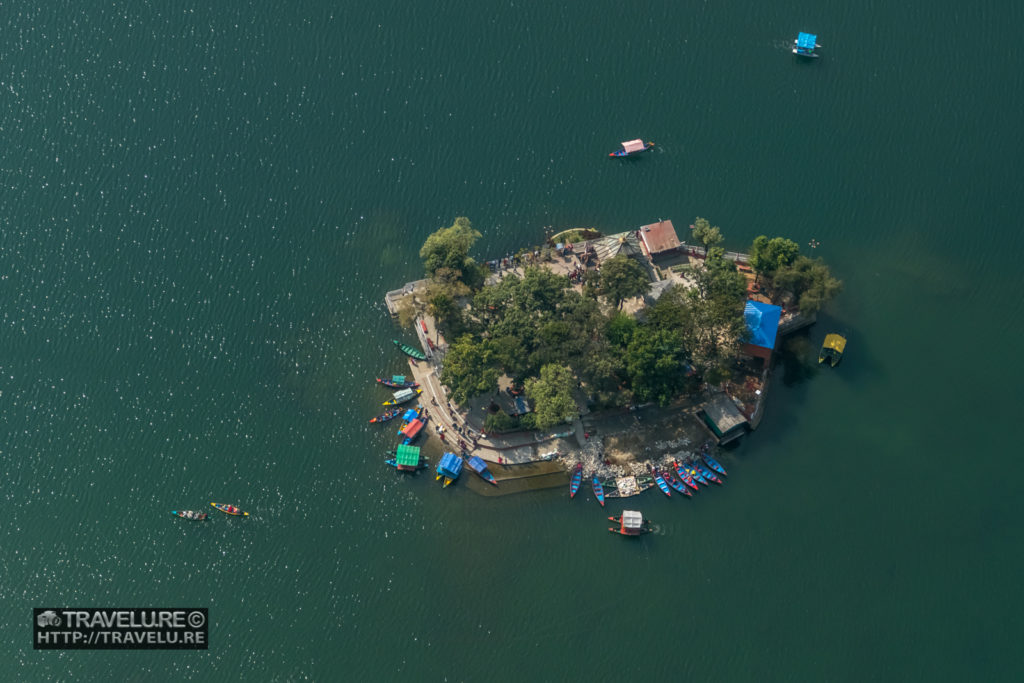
column 48, row 618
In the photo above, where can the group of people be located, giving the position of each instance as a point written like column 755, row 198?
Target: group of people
column 576, row 276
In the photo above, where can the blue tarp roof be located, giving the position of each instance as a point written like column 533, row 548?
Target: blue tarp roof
column 521, row 407
column 477, row 463
column 410, row 415
column 763, row 323
column 450, row 465
column 807, row 40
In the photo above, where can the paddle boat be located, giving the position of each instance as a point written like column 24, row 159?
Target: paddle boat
column 805, row 44
column 398, row 382
column 407, row 459
column 410, row 351
column 595, row 483
column 631, row 523
column 832, row 349
column 685, row 476
column 449, row 468
column 574, row 481
column 479, row 465
column 389, row 415
column 632, row 147
column 403, row 396
column 675, row 483
column 229, row 509
column 661, row 482
column 190, row 514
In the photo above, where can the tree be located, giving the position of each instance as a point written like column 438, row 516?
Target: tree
column 551, row 394
column 706, row 235
column 448, row 248
column 768, row 255
column 468, row 369
column 623, row 278
column 656, row 364
column 809, row 282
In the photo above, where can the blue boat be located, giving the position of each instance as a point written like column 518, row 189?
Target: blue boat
column 449, row 468
column 685, row 476
column 675, row 483
column 398, row 382
column 705, row 472
column 805, row 44
column 477, row 464
column 713, row 464
column 695, row 473
column 598, row 487
column 660, row 481
column 576, row 479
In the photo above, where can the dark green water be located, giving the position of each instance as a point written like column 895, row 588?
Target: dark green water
column 203, row 204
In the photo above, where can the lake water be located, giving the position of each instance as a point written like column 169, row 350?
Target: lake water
column 204, row 203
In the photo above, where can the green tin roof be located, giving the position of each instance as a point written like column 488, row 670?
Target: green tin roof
column 407, row 456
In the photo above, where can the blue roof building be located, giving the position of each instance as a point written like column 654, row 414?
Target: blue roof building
column 763, row 325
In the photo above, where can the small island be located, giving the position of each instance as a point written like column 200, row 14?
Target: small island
column 622, row 352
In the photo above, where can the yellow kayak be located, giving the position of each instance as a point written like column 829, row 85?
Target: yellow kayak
column 229, row 509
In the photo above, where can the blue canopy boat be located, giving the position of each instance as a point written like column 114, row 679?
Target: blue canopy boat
column 598, row 487
column 695, row 473
column 804, row 45
column 577, row 477
column 449, row 468
column 477, row 464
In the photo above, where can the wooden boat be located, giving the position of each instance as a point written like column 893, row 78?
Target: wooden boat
column 449, row 468
column 713, row 464
column 805, row 44
column 832, row 349
column 706, row 473
column 675, row 483
column 631, row 523
column 574, row 481
column 389, row 415
column 595, row 483
column 695, row 473
column 632, row 147
column 685, row 476
column 398, row 382
column 661, row 482
column 190, row 514
column 229, row 509
column 478, row 465
column 403, row 396
column 410, row 351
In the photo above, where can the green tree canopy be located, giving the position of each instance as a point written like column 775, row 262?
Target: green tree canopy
column 551, row 394
column 623, row 278
column 445, row 254
column 768, row 255
column 468, row 369
column 656, row 363
column 809, row 281
column 706, row 235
